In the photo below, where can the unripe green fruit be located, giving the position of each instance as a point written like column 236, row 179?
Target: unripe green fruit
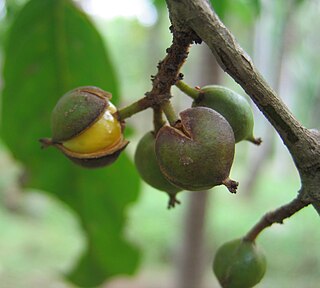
column 197, row 155
column 239, row 264
column 234, row 107
column 85, row 129
column 148, row 168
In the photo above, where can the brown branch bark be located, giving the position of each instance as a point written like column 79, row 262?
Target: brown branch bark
column 198, row 16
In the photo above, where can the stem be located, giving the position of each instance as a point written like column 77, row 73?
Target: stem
column 132, row 109
column 140, row 105
column 169, row 112
column 169, row 67
column 190, row 91
column 276, row 216
column 158, row 120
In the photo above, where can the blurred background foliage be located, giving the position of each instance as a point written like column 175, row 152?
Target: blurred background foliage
column 50, row 210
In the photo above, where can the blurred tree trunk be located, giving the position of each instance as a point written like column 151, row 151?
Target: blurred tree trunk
column 192, row 258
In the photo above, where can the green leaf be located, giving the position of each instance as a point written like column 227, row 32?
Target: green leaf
column 256, row 5
column 53, row 48
column 246, row 10
column 220, row 7
column 159, row 4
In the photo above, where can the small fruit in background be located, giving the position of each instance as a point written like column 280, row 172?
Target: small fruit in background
column 198, row 153
column 85, row 129
column 239, row 264
column 148, row 168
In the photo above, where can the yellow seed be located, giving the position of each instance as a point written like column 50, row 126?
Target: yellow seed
column 103, row 134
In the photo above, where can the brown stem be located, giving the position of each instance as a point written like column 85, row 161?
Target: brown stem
column 169, row 67
column 276, row 216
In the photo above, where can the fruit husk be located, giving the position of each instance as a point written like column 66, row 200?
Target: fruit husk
column 239, row 264
column 101, row 158
column 231, row 105
column 197, row 155
column 76, row 111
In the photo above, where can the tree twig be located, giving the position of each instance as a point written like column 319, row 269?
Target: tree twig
column 276, row 216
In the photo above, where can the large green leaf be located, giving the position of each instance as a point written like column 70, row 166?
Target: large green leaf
column 52, row 48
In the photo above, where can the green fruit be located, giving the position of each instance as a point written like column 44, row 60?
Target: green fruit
column 239, row 264
column 85, row 129
column 234, row 107
column 148, row 168
column 198, row 153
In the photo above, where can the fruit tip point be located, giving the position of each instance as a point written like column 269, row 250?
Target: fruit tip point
column 173, row 201
column 256, row 141
column 231, row 185
column 46, row 142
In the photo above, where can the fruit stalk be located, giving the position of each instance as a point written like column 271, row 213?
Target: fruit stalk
column 276, row 216
column 169, row 112
column 136, row 107
column 158, row 120
column 190, row 91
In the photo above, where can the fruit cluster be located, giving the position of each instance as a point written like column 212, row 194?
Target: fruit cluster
column 195, row 153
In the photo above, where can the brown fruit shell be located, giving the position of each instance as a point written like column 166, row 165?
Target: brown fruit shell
column 199, row 155
column 101, row 158
column 76, row 111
